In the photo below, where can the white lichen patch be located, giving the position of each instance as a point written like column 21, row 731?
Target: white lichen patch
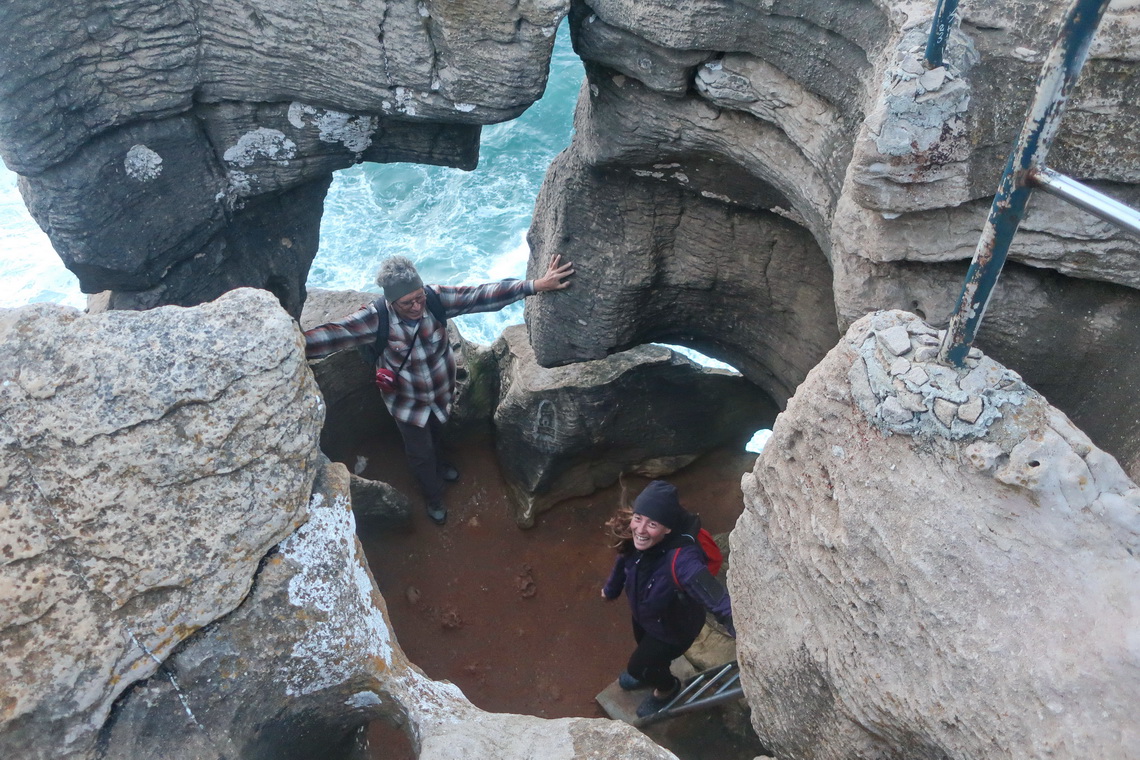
column 142, row 163
column 335, row 591
column 715, row 196
column 260, row 143
column 352, row 131
column 363, row 699
column 465, row 107
column 239, row 186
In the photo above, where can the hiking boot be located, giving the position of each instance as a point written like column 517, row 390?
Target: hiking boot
column 653, row 703
column 448, row 473
column 628, row 682
column 437, row 512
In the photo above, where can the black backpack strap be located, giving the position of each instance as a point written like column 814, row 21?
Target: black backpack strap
column 373, row 351
column 435, row 305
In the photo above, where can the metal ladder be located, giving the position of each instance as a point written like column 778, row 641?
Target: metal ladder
column 1025, row 170
column 708, row 688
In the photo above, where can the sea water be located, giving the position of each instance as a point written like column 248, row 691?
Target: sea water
column 459, row 227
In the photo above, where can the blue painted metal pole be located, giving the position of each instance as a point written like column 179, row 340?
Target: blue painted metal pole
column 940, row 27
column 1043, row 119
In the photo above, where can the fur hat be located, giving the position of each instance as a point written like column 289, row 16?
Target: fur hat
column 398, row 277
column 659, row 502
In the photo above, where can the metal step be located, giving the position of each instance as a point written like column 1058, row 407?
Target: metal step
column 701, row 691
column 712, row 687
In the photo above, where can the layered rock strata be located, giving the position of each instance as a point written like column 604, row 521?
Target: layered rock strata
column 174, row 152
column 568, row 431
column 818, row 125
column 934, row 542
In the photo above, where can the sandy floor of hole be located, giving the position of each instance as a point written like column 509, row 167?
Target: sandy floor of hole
column 514, row 617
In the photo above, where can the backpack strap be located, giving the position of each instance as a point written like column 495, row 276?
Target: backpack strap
column 435, row 305
column 673, row 568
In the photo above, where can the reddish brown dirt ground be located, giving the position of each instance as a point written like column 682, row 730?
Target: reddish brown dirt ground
column 514, row 617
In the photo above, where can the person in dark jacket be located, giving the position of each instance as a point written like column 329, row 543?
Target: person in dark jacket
column 667, row 615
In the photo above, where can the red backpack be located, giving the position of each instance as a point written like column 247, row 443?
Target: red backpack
column 713, row 557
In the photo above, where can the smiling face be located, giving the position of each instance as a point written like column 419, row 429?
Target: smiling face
column 411, row 306
column 646, row 533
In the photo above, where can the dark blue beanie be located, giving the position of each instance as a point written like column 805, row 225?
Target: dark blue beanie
column 659, row 502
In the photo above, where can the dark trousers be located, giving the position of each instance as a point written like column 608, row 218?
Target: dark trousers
column 649, row 663
column 424, row 449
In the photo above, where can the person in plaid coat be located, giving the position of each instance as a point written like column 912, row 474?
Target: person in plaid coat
column 419, row 354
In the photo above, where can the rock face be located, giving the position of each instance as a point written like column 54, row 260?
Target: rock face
column 175, row 152
column 149, row 463
column 935, row 542
column 569, row 431
column 741, row 173
column 180, row 572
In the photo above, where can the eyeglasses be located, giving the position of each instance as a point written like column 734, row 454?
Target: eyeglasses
column 412, row 302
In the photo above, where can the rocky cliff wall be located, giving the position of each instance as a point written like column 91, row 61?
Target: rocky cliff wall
column 768, row 166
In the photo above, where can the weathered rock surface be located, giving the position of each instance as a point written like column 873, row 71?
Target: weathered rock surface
column 175, row 152
column 936, row 543
column 149, row 462
column 180, row 574
column 822, row 113
column 569, row 431
column 655, row 263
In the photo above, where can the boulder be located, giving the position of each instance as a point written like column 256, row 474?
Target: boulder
column 920, row 549
column 568, row 431
column 374, row 498
column 149, row 463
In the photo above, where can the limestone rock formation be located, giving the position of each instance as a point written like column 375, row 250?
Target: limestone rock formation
column 569, row 431
column 953, row 563
column 743, row 172
column 180, row 572
column 149, row 463
column 174, row 152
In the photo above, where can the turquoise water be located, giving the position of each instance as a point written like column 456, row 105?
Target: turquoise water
column 459, row 227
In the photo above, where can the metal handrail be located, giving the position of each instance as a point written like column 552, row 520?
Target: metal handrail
column 1043, row 119
column 1084, row 197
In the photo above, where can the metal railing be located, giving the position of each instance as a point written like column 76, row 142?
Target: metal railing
column 710, row 688
column 1025, row 170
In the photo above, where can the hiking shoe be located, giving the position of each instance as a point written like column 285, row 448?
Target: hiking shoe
column 653, row 704
column 628, row 682
column 449, row 473
column 437, row 513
